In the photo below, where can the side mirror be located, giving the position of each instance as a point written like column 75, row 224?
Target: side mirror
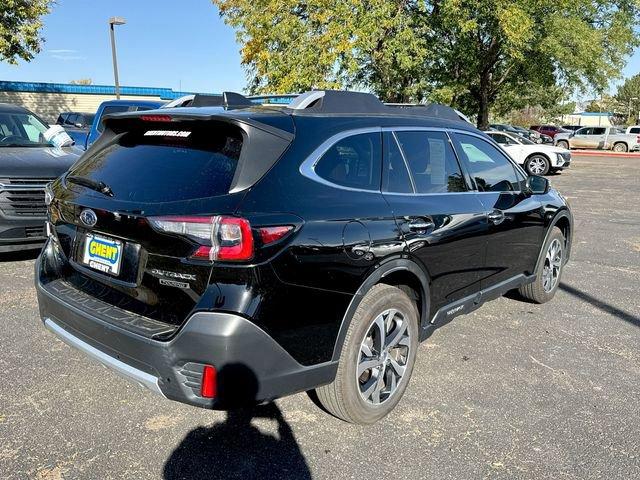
column 537, row 184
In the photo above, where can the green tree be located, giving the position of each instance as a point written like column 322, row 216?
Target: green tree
column 20, row 24
column 628, row 96
column 472, row 55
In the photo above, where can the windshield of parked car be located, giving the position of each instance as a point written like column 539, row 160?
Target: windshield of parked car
column 18, row 129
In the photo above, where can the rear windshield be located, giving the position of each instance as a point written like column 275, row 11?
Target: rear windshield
column 167, row 162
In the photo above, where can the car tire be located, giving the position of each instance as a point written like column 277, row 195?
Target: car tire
column 537, row 165
column 368, row 397
column 563, row 144
column 620, row 147
column 549, row 272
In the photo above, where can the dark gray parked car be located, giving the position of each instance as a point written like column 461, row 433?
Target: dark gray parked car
column 27, row 163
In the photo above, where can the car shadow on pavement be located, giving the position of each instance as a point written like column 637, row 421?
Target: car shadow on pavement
column 235, row 448
column 604, row 306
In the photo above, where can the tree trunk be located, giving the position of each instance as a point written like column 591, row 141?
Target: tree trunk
column 483, row 101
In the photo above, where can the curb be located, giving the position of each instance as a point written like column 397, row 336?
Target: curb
column 604, row 153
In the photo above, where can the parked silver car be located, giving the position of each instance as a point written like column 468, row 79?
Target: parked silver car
column 602, row 138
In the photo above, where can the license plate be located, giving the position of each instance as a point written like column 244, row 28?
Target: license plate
column 102, row 254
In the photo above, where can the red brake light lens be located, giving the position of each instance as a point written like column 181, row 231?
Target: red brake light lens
column 273, row 234
column 155, row 118
column 220, row 237
column 234, row 239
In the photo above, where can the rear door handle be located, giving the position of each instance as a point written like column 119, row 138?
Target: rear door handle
column 496, row 217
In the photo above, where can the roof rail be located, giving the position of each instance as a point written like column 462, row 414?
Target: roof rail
column 342, row 101
column 337, row 101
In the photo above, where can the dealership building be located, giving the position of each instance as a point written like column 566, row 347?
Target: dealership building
column 49, row 99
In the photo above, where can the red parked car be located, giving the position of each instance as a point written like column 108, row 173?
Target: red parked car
column 550, row 130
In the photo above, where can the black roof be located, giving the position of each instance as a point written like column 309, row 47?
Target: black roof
column 316, row 103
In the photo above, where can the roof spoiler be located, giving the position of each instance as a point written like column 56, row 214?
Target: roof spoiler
column 228, row 100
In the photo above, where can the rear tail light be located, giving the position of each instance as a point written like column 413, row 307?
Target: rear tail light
column 220, row 237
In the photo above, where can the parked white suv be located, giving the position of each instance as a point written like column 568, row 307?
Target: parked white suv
column 536, row 159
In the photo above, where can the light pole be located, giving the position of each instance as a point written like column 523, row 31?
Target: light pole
column 115, row 21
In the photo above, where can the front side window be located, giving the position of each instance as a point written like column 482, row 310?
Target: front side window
column 22, row 130
column 353, row 162
column 490, row 169
column 599, row 131
column 431, row 161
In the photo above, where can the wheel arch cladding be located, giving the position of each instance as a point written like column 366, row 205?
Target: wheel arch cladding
column 402, row 273
column 564, row 222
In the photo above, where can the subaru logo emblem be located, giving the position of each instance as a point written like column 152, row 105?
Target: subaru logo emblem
column 88, row 217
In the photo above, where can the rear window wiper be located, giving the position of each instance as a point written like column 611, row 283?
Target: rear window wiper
column 92, row 184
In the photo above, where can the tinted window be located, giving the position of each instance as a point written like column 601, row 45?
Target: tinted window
column 61, row 118
column 634, row 130
column 599, row 131
column 431, row 161
column 490, row 169
column 501, row 139
column 88, row 119
column 112, row 109
column 395, row 176
column 155, row 168
column 353, row 162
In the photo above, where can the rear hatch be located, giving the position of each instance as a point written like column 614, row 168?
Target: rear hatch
column 134, row 215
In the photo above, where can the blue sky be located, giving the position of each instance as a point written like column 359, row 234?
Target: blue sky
column 164, row 44
column 180, row 45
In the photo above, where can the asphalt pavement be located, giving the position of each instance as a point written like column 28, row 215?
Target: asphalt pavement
column 511, row 391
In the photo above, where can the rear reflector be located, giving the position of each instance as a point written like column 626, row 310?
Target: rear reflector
column 273, row 234
column 209, row 387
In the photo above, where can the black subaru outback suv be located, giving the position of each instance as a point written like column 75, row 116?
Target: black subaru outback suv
column 220, row 256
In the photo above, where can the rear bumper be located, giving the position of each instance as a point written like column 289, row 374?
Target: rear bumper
column 251, row 366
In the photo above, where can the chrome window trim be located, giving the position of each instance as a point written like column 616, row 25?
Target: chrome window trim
column 307, row 168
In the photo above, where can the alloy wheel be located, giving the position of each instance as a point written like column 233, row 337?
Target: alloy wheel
column 537, row 165
column 552, row 266
column 382, row 360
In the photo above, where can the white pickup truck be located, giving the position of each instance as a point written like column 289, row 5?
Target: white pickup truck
column 602, row 138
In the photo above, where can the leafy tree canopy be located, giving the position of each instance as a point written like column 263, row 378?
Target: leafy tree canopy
column 471, row 55
column 628, row 96
column 20, row 24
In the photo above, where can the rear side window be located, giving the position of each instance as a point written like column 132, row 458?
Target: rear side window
column 490, row 169
column 634, row 130
column 395, row 177
column 431, row 161
column 157, row 164
column 353, row 162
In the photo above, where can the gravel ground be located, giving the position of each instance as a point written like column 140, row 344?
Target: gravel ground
column 512, row 390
